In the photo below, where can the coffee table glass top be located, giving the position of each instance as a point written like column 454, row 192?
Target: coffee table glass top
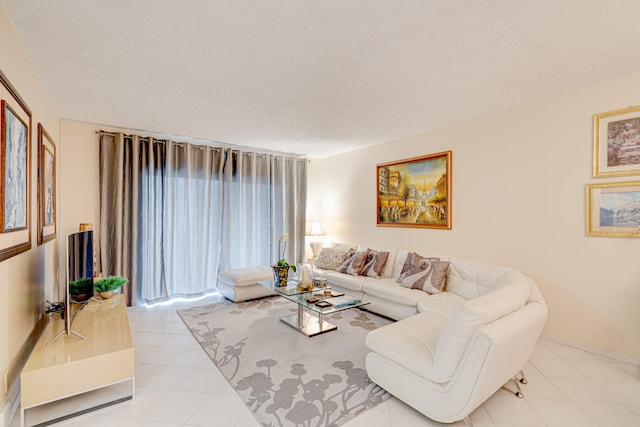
column 293, row 294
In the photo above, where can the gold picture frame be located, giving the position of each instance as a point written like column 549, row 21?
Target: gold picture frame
column 415, row 192
column 47, row 213
column 616, row 143
column 613, row 209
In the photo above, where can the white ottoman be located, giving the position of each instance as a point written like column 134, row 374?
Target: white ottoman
column 240, row 284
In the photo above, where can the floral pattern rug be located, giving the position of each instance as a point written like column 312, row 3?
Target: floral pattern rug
column 285, row 378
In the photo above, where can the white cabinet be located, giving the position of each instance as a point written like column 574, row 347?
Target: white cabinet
column 70, row 365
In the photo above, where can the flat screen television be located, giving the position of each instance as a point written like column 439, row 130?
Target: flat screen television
column 79, row 277
column 80, row 265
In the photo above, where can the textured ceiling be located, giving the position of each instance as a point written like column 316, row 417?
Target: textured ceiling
column 317, row 77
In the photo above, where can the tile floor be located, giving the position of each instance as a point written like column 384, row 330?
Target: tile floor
column 177, row 385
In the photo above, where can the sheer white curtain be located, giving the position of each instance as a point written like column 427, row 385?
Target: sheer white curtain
column 174, row 214
column 265, row 198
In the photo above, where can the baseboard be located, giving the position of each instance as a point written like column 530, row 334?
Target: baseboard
column 595, row 350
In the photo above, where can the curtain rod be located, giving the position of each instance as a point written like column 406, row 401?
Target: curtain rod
column 201, row 146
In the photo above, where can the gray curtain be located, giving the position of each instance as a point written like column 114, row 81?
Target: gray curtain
column 173, row 215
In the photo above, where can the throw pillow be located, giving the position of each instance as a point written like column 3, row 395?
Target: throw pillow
column 425, row 274
column 330, row 258
column 343, row 267
column 436, row 279
column 355, row 264
column 374, row 264
column 430, row 280
column 413, row 264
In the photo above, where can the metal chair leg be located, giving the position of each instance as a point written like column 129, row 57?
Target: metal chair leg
column 518, row 391
column 517, row 383
column 522, row 380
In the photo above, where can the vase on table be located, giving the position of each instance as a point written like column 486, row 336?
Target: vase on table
column 280, row 275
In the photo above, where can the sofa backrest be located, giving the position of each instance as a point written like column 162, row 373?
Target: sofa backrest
column 472, row 279
column 470, row 316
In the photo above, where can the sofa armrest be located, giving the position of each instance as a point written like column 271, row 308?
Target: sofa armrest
column 512, row 341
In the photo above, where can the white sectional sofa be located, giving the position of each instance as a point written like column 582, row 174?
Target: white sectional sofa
column 448, row 351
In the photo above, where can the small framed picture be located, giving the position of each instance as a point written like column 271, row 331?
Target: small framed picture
column 616, row 145
column 46, row 186
column 613, row 209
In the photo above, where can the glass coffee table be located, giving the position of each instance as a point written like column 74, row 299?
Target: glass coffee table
column 311, row 322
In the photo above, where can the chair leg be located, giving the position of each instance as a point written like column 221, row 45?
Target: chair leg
column 522, row 380
column 467, row 421
column 518, row 392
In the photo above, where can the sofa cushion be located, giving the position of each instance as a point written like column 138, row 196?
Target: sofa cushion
column 245, row 276
column 398, row 264
column 387, row 270
column 410, row 342
column 471, row 279
column 330, row 258
column 468, row 317
column 388, row 290
column 345, row 281
column 374, row 263
column 442, row 304
column 343, row 246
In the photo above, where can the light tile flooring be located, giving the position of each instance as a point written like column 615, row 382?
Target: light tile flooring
column 177, row 385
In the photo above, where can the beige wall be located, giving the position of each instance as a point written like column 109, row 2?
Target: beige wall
column 518, row 199
column 79, row 178
column 29, row 278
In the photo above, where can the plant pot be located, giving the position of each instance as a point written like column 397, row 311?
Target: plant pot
column 80, row 297
column 280, row 275
column 109, row 294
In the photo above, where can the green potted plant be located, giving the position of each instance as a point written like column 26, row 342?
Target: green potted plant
column 107, row 287
column 281, row 268
column 81, row 289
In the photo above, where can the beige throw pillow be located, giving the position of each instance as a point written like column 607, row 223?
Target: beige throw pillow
column 376, row 260
column 330, row 258
column 426, row 274
column 413, row 264
column 343, row 267
column 354, row 264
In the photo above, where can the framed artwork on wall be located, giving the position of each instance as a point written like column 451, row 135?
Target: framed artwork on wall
column 616, row 143
column 47, row 214
column 415, row 192
column 613, row 209
column 15, row 172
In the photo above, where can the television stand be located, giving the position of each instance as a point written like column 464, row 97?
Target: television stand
column 71, row 366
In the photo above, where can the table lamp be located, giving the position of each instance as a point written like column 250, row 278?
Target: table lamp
column 314, row 230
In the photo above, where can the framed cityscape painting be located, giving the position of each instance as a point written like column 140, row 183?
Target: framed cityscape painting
column 15, row 172
column 613, row 209
column 415, row 192
column 616, row 143
column 46, row 186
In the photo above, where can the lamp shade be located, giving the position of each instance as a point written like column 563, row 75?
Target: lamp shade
column 314, row 228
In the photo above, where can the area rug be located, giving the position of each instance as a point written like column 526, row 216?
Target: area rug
column 285, row 378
